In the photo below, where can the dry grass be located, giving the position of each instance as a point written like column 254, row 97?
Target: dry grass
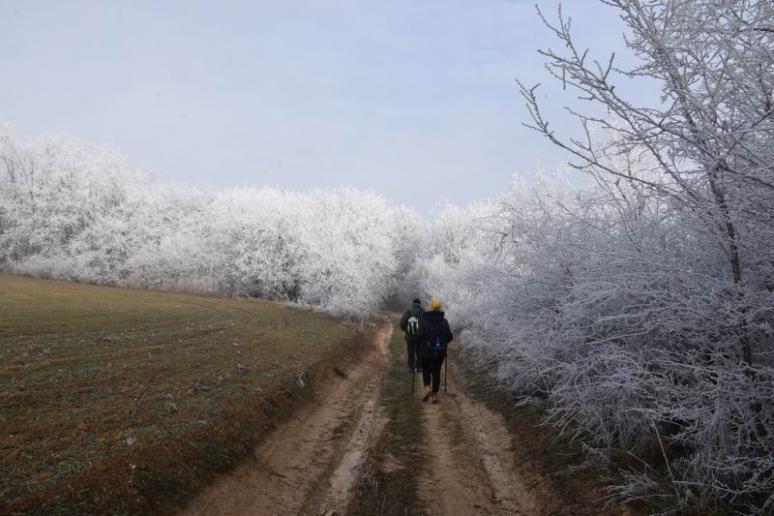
column 129, row 401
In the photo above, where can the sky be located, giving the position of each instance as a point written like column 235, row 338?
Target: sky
column 415, row 99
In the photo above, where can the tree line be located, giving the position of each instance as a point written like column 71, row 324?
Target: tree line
column 80, row 212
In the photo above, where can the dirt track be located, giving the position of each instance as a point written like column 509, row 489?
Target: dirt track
column 472, row 470
column 311, row 464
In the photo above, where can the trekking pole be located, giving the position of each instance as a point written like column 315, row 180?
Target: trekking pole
column 445, row 377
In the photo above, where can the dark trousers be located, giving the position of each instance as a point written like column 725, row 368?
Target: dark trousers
column 412, row 350
column 431, row 372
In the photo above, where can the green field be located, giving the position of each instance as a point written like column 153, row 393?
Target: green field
column 131, row 400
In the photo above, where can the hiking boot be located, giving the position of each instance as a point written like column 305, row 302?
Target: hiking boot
column 427, row 394
column 435, row 398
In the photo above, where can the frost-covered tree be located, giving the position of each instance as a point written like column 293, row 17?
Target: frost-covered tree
column 78, row 211
column 639, row 308
column 710, row 142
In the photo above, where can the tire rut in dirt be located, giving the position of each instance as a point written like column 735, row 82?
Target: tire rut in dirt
column 388, row 484
column 510, row 486
column 336, row 488
column 453, row 481
column 293, row 470
column 472, row 468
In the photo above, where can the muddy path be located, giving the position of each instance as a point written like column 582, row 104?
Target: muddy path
column 471, row 467
column 310, row 464
column 371, row 446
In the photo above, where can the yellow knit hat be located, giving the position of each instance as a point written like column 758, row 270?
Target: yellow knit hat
column 435, row 304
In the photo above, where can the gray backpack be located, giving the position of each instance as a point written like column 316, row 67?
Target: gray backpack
column 412, row 326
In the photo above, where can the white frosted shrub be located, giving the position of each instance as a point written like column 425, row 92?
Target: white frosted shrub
column 616, row 312
column 79, row 212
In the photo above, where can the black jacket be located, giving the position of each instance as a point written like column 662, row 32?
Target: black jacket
column 415, row 311
column 434, row 324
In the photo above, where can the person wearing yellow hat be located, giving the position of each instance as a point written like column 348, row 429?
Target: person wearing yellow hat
column 435, row 336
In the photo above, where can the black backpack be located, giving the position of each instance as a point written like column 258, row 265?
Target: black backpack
column 438, row 346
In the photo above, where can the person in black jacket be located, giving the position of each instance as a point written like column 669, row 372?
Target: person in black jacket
column 409, row 323
column 435, row 336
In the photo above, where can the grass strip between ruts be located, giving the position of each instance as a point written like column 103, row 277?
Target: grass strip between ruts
column 389, row 483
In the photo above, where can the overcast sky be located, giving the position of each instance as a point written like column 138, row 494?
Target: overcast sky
column 415, row 99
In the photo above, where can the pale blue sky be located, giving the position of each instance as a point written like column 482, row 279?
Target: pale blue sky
column 413, row 98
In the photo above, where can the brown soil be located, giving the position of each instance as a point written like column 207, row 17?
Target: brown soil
column 148, row 412
column 472, row 469
column 310, row 464
column 511, row 485
column 118, row 401
column 549, row 467
column 471, row 461
column 454, row 482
